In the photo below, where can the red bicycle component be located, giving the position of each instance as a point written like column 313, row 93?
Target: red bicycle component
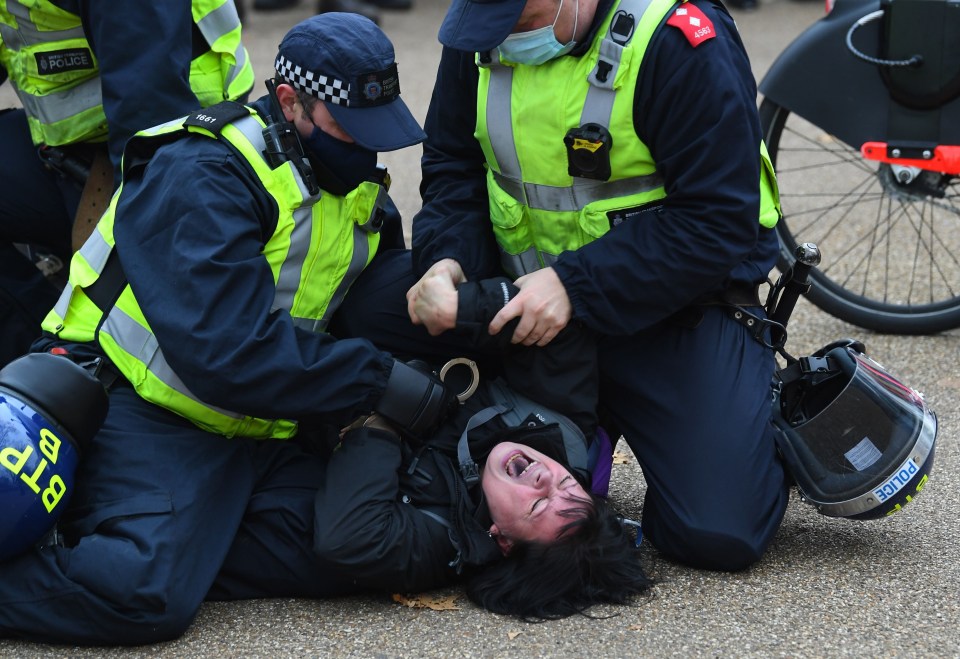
column 943, row 159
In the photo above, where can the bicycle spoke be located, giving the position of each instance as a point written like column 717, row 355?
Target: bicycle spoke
column 848, row 202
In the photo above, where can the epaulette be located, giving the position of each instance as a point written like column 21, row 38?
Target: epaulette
column 215, row 117
column 694, row 24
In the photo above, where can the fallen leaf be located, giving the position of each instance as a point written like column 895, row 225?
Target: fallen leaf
column 620, row 458
column 635, row 628
column 512, row 635
column 448, row 603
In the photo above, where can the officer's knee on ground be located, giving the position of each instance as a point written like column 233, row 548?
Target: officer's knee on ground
column 705, row 548
column 713, row 551
column 144, row 627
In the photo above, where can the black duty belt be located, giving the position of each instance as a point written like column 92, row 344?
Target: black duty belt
column 737, row 295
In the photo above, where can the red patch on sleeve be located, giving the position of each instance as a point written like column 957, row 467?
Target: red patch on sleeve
column 696, row 27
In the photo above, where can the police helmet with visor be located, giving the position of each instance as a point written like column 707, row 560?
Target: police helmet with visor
column 858, row 442
column 50, row 408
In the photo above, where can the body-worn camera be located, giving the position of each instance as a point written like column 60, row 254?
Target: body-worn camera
column 588, row 151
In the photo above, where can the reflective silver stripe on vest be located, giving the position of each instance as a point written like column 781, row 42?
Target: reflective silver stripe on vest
column 578, row 195
column 27, row 33
column 358, row 261
column 291, row 269
column 523, row 263
column 63, row 302
column 51, row 108
column 499, row 115
column 129, row 333
column 96, row 251
column 216, row 24
column 240, row 55
column 598, row 106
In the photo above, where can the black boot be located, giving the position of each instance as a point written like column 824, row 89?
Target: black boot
column 361, row 7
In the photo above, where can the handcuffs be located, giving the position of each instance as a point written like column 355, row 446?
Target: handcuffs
column 455, row 371
column 452, row 374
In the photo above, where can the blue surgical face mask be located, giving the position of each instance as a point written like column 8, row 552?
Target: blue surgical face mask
column 342, row 165
column 540, row 45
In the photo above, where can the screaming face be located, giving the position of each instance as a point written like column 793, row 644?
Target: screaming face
column 527, row 494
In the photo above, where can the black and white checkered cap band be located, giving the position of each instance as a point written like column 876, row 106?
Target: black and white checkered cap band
column 326, row 88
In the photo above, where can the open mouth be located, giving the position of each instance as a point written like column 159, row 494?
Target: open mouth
column 517, row 464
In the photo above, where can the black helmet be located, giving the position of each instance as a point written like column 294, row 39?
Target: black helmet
column 858, row 442
column 49, row 408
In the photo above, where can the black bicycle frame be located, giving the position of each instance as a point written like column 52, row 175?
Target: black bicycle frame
column 818, row 78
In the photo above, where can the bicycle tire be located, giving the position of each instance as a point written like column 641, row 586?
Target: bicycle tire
column 891, row 251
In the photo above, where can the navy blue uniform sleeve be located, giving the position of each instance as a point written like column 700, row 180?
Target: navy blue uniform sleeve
column 366, row 531
column 144, row 51
column 454, row 221
column 696, row 110
column 189, row 231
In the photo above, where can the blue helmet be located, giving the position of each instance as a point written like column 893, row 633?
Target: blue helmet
column 49, row 409
column 858, row 442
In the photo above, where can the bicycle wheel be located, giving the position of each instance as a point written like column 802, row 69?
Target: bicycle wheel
column 891, row 247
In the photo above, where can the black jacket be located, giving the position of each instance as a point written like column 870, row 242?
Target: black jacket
column 401, row 518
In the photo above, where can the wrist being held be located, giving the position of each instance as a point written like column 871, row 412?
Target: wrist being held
column 542, row 305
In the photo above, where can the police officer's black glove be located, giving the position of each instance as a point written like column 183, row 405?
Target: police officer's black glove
column 415, row 400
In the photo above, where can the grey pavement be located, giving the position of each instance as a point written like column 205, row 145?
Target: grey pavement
column 827, row 587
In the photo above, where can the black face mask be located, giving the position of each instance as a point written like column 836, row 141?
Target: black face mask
column 339, row 166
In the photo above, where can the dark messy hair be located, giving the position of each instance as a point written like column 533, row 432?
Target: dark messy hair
column 593, row 562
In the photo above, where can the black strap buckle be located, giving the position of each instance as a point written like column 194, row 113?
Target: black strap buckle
column 470, row 472
column 815, row 364
column 104, row 370
column 758, row 327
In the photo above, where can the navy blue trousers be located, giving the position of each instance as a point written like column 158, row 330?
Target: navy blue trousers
column 692, row 403
column 157, row 507
column 37, row 206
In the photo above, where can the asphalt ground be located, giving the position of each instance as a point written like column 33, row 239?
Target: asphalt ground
column 826, row 588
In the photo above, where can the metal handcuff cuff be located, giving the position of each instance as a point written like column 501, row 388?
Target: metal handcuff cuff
column 452, row 369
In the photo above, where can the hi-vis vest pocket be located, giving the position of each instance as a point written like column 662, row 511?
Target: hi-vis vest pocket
column 513, row 234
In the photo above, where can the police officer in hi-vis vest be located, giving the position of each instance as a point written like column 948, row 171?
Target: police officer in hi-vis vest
column 607, row 155
column 201, row 301
column 89, row 75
